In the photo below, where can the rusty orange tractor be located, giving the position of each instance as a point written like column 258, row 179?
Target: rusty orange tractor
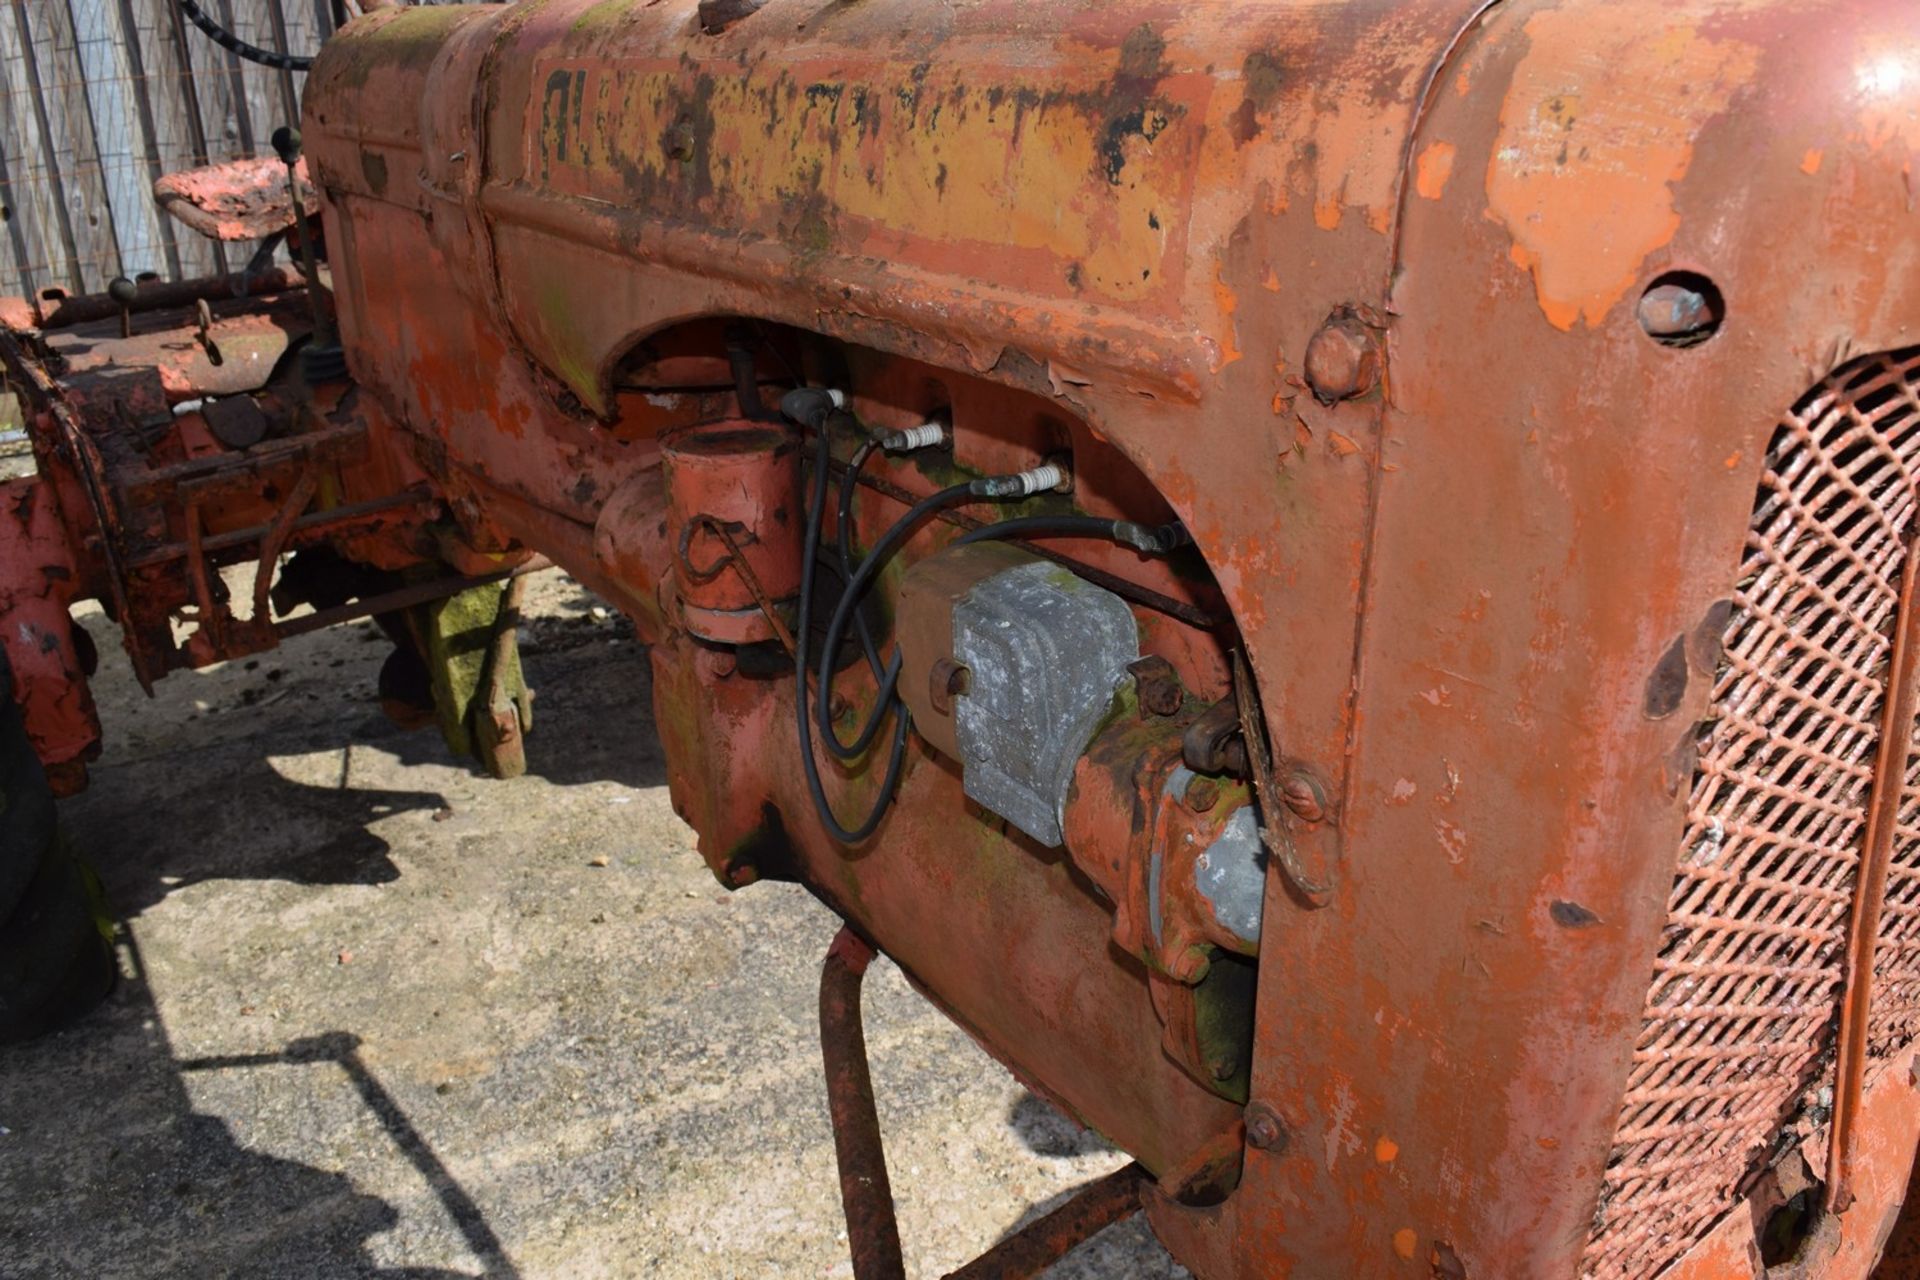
column 1333, row 579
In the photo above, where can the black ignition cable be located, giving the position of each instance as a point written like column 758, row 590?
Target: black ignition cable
column 812, row 407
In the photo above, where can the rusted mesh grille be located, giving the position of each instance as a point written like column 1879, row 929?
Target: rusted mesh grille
column 1735, row 1056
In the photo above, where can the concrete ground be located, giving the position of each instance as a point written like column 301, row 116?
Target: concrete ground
column 383, row 1016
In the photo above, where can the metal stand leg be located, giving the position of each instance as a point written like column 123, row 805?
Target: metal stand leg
column 873, row 1234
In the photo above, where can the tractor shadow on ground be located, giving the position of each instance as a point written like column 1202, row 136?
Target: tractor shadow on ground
column 258, row 771
column 138, row 1173
column 265, row 777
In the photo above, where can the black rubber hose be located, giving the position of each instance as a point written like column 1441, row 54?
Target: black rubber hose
column 235, row 45
column 746, row 381
column 843, row 528
column 1033, row 526
column 849, row 601
column 803, row 717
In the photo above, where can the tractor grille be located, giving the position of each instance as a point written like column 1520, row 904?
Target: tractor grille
column 1735, row 1055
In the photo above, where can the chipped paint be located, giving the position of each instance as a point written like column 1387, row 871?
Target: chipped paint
column 898, row 160
column 1583, row 169
column 1432, row 169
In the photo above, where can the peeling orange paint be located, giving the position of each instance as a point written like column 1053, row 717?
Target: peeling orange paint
column 1582, row 171
column 1385, row 1150
column 1405, row 1240
column 1810, row 163
column 1432, row 170
column 1229, row 302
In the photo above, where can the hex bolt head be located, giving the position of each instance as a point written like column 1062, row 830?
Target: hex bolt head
column 1343, row 361
column 1265, row 1129
column 1158, row 686
column 1302, row 795
column 1202, row 794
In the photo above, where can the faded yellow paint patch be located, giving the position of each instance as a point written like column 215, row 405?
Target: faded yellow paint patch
column 1432, row 169
column 918, row 170
column 1597, row 127
column 1810, row 162
column 1405, row 1241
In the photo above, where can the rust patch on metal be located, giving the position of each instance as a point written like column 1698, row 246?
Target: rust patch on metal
column 1583, row 171
column 1667, row 686
column 241, row 200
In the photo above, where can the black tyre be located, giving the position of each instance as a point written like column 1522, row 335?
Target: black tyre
column 54, row 962
column 26, row 804
column 55, row 958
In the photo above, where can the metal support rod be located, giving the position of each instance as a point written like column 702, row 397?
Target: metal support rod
column 1049, row 1238
column 162, row 295
column 873, row 1235
column 404, row 597
column 873, row 1232
column 332, row 519
column 1870, row 880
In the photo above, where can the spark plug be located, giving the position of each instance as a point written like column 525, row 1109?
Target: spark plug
column 928, row 435
column 1045, row 478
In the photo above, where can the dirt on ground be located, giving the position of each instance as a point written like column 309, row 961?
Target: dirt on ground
column 383, row 1016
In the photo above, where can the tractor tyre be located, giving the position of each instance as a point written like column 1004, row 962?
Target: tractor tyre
column 56, row 961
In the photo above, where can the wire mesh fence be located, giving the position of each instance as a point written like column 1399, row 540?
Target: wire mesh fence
column 99, row 98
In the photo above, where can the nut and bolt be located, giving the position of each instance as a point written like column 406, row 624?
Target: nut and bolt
column 1265, row 1129
column 1158, row 685
column 679, row 142
column 1343, row 360
column 946, row 681
column 1303, row 797
column 1202, row 794
column 1680, row 310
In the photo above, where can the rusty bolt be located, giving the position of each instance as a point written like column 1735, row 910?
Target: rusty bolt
column 948, row 680
column 1681, row 309
column 1202, row 794
column 1343, row 361
column 1158, row 686
column 1264, row 1127
column 1303, row 797
column 679, row 142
